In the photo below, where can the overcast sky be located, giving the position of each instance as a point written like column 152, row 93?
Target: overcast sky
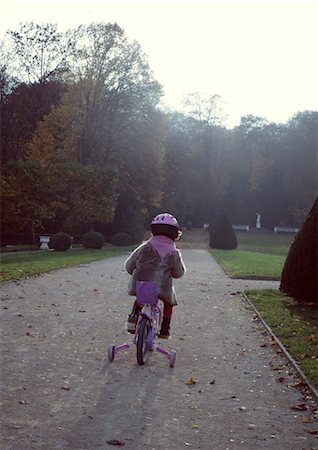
column 261, row 56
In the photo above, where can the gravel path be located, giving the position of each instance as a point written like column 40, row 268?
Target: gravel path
column 58, row 390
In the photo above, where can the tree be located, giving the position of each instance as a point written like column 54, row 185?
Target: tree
column 299, row 276
column 29, row 195
column 298, row 164
column 222, row 235
column 206, row 110
column 210, row 154
column 21, row 111
column 41, row 52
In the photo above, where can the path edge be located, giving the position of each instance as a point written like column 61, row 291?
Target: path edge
column 291, row 360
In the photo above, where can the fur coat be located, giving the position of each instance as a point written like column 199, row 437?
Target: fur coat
column 156, row 260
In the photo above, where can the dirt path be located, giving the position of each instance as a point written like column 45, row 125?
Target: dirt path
column 58, row 391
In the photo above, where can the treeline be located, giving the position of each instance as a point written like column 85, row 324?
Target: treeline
column 85, row 144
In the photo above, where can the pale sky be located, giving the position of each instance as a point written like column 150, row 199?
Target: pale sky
column 260, row 56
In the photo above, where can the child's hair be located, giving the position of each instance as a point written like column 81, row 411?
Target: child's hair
column 165, row 230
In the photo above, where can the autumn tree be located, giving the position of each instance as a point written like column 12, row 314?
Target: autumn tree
column 107, row 118
column 30, row 194
column 22, row 110
column 209, row 153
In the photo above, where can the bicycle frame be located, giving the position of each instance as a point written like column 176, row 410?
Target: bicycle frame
column 146, row 297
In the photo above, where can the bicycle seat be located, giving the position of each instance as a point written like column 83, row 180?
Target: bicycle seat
column 146, row 292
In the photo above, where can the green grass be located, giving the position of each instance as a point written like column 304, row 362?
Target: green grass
column 275, row 244
column 296, row 326
column 258, row 255
column 31, row 264
column 250, row 264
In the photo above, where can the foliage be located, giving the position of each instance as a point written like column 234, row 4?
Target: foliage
column 60, row 241
column 29, row 191
column 91, row 101
column 21, row 110
column 299, row 276
column 121, row 239
column 222, row 235
column 93, row 239
column 296, row 327
column 90, row 196
column 31, row 264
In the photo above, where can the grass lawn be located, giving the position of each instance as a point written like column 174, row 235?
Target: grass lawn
column 258, row 255
column 30, row 264
column 295, row 325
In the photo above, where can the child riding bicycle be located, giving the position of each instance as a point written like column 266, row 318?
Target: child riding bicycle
column 157, row 260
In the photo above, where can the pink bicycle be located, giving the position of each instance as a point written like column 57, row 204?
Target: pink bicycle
column 147, row 327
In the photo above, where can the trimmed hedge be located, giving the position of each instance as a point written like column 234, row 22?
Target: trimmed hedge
column 121, row 239
column 299, row 275
column 222, row 235
column 93, row 239
column 60, row 241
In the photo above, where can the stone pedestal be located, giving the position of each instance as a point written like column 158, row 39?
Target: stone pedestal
column 44, row 242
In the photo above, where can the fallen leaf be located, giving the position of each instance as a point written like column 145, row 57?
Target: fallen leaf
column 299, row 407
column 300, row 385
column 195, row 425
column 23, row 402
column 314, row 432
column 306, row 419
column 65, row 388
column 191, row 381
column 115, row 442
column 212, row 382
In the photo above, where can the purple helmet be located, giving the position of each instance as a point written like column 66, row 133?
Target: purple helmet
column 165, row 219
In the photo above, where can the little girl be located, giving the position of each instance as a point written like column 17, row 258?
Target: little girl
column 157, row 260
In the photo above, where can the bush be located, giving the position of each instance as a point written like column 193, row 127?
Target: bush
column 222, row 235
column 299, row 276
column 93, row 239
column 60, row 241
column 121, row 239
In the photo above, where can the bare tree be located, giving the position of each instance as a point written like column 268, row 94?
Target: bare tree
column 40, row 52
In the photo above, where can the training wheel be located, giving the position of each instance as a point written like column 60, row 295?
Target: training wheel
column 172, row 358
column 111, row 352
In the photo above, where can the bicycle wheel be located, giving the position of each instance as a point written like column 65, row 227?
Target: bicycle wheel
column 111, row 352
column 172, row 359
column 142, row 340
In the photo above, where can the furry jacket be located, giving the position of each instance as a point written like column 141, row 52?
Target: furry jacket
column 156, row 260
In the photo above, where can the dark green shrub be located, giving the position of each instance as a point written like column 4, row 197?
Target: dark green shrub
column 222, row 235
column 121, row 239
column 299, row 275
column 60, row 241
column 93, row 239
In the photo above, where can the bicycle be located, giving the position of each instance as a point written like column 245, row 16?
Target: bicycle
column 147, row 327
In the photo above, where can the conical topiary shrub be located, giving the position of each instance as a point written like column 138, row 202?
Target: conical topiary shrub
column 300, row 272
column 222, row 235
